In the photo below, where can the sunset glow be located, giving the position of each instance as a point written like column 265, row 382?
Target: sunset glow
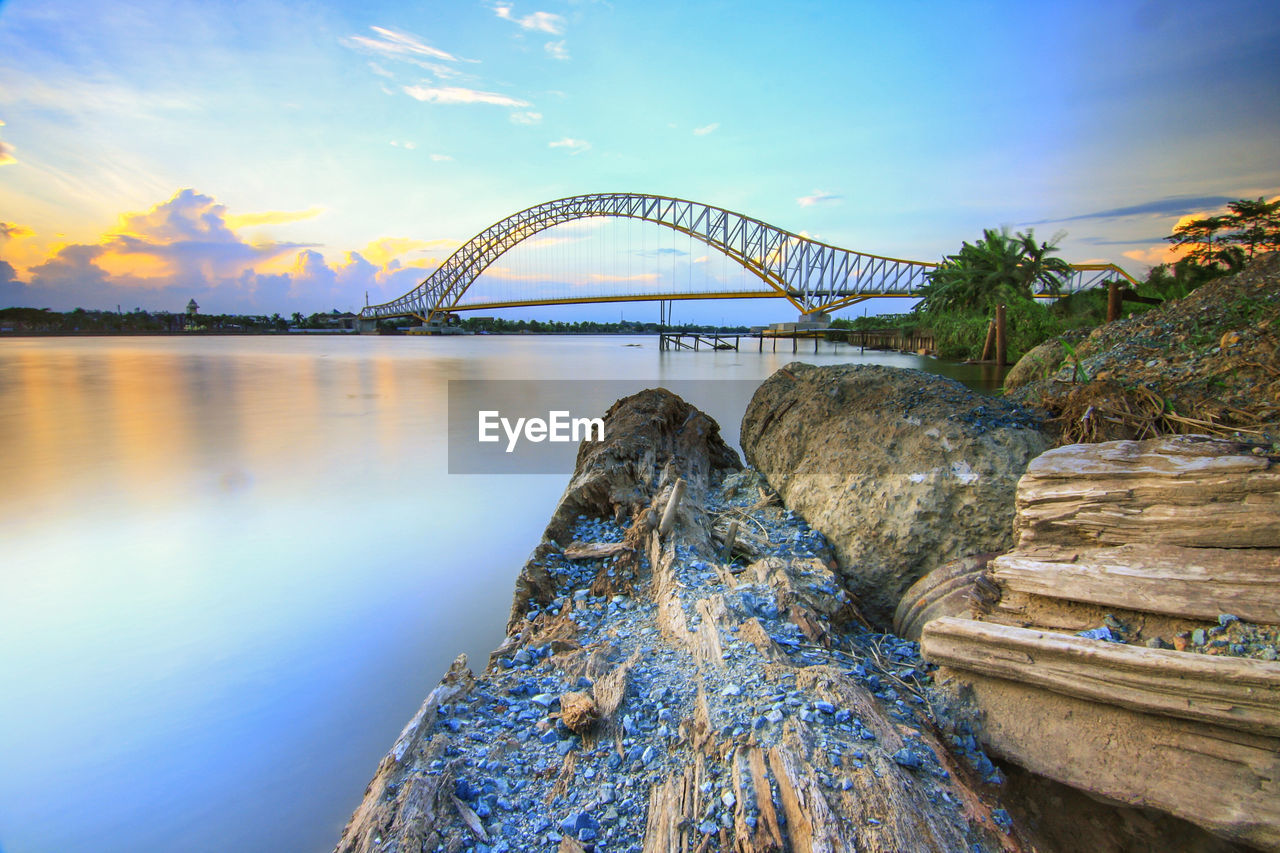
column 286, row 157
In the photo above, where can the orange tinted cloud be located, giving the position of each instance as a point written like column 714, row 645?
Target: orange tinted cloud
column 191, row 246
column 12, row 231
column 1155, row 255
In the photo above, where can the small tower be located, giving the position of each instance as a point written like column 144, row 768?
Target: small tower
column 192, row 308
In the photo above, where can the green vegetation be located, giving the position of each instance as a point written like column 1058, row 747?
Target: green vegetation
column 997, row 269
column 1228, row 241
column 1002, row 268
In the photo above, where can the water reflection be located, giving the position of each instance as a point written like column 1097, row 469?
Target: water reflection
column 233, row 567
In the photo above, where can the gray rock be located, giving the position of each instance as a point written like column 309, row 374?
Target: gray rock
column 869, row 455
column 907, row 757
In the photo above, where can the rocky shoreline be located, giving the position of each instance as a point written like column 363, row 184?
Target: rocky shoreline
column 726, row 678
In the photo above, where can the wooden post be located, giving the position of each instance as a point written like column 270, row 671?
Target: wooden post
column 795, row 342
column 990, row 341
column 1113, row 301
column 1002, row 342
column 726, row 553
column 761, row 342
column 673, row 502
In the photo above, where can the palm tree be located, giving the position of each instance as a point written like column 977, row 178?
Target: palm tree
column 998, row 268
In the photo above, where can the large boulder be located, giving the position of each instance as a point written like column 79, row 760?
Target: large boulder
column 901, row 470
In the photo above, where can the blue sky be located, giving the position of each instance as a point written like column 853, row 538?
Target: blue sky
column 288, row 156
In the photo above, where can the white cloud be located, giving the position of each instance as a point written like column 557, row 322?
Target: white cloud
column 409, row 146
column 818, row 197
column 705, row 129
column 398, row 45
column 461, row 95
column 556, row 49
column 526, row 118
column 441, row 158
column 543, row 22
column 6, row 152
column 602, row 277
column 574, row 146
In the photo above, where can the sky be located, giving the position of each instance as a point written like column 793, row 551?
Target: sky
column 295, row 156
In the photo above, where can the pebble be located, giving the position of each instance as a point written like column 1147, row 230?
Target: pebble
column 906, row 757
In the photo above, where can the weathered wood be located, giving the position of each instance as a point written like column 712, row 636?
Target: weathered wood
column 1197, row 583
column 470, row 818
column 989, row 342
column 730, row 538
column 1113, row 301
column 673, row 504
column 1239, row 693
column 1181, row 490
column 746, row 543
column 610, row 689
column 810, row 822
column 751, row 783
column 948, row 590
column 1002, row 338
column 578, row 711
column 674, row 808
column 1224, row 780
column 753, row 632
column 594, row 550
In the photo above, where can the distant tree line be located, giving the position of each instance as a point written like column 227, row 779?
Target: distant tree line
column 135, row 322
column 45, row 321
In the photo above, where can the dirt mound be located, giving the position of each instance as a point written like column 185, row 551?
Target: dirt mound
column 1207, row 363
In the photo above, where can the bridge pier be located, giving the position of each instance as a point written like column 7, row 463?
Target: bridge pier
column 367, row 325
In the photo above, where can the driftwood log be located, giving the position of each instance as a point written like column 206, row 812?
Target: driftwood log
column 1162, row 536
column 804, row 782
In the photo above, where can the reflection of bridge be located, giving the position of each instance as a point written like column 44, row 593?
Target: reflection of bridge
column 814, row 277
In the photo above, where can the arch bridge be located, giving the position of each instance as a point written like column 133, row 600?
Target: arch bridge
column 815, row 277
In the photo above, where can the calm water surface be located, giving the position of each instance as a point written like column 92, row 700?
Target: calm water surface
column 231, row 568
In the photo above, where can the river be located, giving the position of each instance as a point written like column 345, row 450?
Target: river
column 232, row 567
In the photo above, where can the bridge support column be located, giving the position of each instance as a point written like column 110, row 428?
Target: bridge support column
column 366, row 325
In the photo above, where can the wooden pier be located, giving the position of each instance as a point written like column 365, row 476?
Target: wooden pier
column 694, row 341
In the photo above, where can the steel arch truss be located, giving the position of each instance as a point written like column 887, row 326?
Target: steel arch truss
column 812, row 276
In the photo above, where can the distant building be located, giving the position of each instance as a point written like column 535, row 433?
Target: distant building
column 192, row 308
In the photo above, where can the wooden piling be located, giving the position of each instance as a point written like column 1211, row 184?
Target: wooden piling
column 1113, row 301
column 1002, row 342
column 673, row 503
column 730, row 537
column 990, row 341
